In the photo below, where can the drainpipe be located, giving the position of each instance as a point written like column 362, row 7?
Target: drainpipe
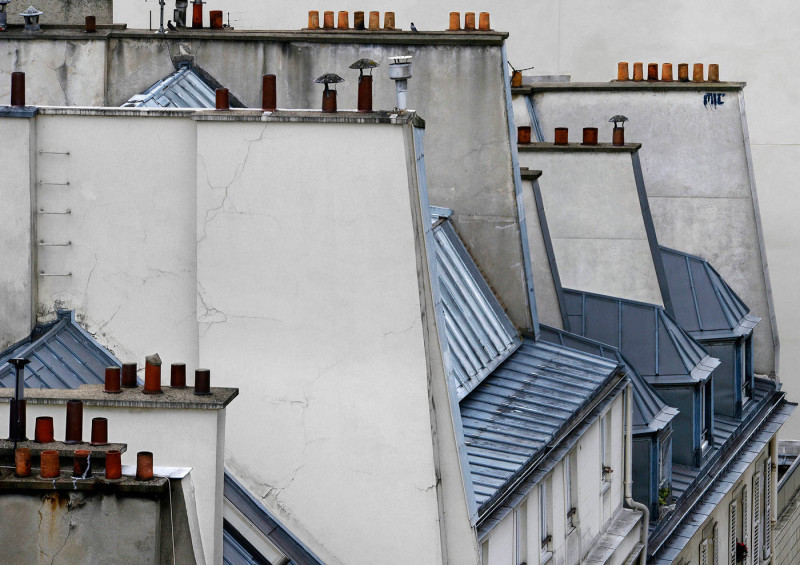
column 628, row 475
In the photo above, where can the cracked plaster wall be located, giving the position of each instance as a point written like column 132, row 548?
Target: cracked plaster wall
column 308, row 300
column 64, row 11
column 177, row 438
column 59, row 528
column 131, row 230
column 17, row 286
column 593, row 213
column 58, row 72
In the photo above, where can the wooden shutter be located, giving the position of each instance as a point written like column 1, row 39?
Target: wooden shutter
column 767, row 541
column 732, row 533
column 755, row 550
column 715, row 541
column 745, row 521
column 704, row 552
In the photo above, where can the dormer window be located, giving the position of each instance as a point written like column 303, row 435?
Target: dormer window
column 746, row 363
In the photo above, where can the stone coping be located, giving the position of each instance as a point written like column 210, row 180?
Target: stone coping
column 65, row 482
column 64, row 449
column 578, row 147
column 381, row 37
column 93, row 395
column 310, row 116
column 617, row 86
column 529, row 174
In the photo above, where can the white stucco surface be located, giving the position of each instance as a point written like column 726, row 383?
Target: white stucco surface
column 595, row 222
column 131, row 229
column 17, row 282
column 308, row 300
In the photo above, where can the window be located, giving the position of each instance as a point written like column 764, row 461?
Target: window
column 767, row 518
column 709, row 547
column 605, row 448
column 545, row 513
column 747, row 381
column 755, row 550
column 706, row 414
column 732, row 530
column 715, row 543
column 571, row 489
column 521, row 533
column 665, row 461
column 745, row 520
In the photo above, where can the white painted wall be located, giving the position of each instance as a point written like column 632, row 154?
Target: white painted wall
column 132, row 255
column 308, row 300
column 595, row 222
column 17, row 285
column 177, row 438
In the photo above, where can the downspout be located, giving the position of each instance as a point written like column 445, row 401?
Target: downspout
column 629, row 501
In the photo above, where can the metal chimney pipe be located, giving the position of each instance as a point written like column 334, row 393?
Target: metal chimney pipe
column 269, row 96
column 99, row 431
column 91, row 24
column 18, row 89
column 365, row 93
column 177, row 376
column 400, row 72
column 74, row 422
column 112, row 380
column 16, row 425
column 202, row 382
column 152, row 366
column 129, row 375
column 197, row 14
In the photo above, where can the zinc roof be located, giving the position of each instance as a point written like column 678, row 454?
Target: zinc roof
column 188, row 87
column 62, row 355
column 704, row 305
column 655, row 345
column 511, row 417
column 650, row 412
column 478, row 333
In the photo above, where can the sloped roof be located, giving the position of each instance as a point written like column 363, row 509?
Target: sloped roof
column 650, row 412
column 62, row 355
column 478, row 333
column 511, row 416
column 236, row 550
column 704, row 305
column 188, row 87
column 654, row 344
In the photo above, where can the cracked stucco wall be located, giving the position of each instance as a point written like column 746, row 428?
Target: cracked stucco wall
column 177, row 438
column 58, row 527
column 308, row 300
column 130, row 230
column 64, row 11
column 58, row 72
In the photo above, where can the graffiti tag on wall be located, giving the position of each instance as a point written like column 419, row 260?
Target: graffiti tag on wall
column 713, row 100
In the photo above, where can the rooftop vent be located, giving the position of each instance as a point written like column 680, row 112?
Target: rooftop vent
column 329, row 94
column 618, row 135
column 31, row 16
column 364, row 83
column 3, row 14
column 400, row 72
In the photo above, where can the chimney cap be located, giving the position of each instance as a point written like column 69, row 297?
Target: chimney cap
column 329, row 78
column 400, row 59
column 618, row 118
column 364, row 64
column 31, row 11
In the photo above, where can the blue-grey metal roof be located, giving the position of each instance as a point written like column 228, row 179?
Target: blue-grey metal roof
column 236, row 550
column 62, row 355
column 654, row 344
column 705, row 306
column 512, row 415
column 650, row 412
column 188, row 87
column 478, row 332
column 266, row 523
column 725, row 480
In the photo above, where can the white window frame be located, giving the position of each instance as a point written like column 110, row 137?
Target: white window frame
column 766, row 541
column 732, row 537
column 521, row 533
column 755, row 550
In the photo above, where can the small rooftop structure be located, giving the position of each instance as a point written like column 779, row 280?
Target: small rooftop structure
column 650, row 339
column 62, row 355
column 705, row 306
column 187, row 87
column 479, row 334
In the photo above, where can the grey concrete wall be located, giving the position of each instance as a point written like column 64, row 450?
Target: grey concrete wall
column 468, row 156
column 596, row 223
column 696, row 170
column 63, row 69
column 17, row 278
column 59, row 12
column 75, row 527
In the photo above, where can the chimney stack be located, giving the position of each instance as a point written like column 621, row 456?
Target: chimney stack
column 18, row 89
